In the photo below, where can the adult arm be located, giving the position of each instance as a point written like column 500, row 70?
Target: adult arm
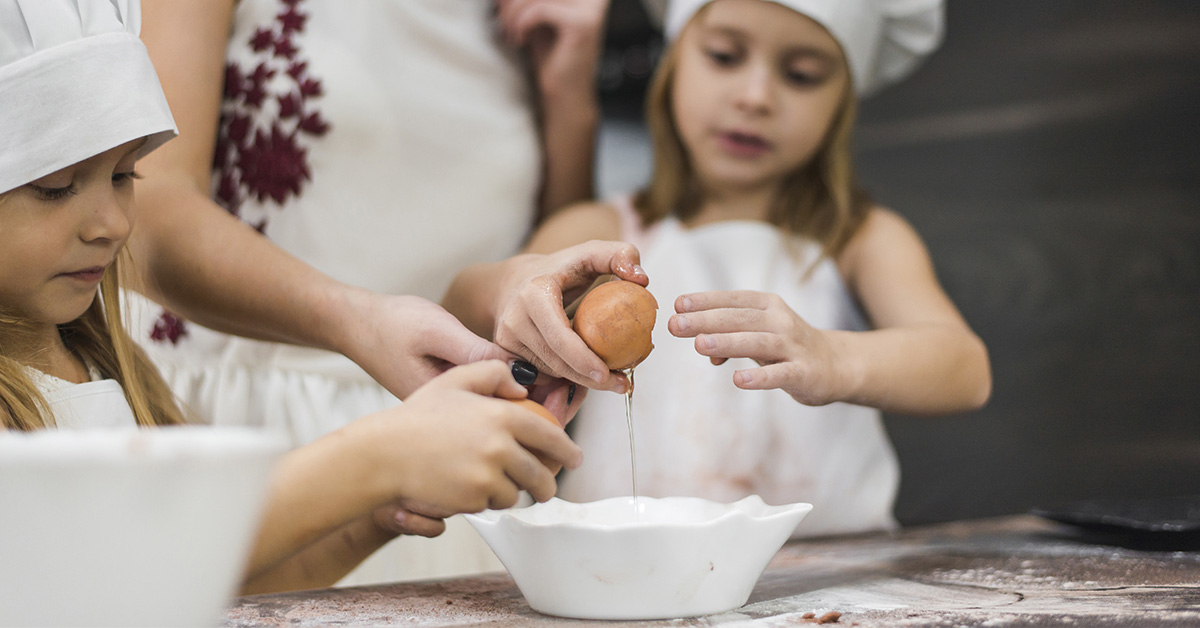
column 208, row 266
column 563, row 39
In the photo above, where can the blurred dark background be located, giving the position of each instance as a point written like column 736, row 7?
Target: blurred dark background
column 1049, row 154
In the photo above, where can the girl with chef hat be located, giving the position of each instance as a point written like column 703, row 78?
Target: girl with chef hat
column 801, row 308
column 80, row 104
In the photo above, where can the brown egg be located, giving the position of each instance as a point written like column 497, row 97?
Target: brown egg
column 615, row 320
column 541, row 411
column 538, row 409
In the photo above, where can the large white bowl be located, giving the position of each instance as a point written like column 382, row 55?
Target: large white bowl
column 127, row 527
column 672, row 557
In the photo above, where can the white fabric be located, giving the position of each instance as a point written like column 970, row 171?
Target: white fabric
column 75, row 81
column 430, row 163
column 99, row 403
column 884, row 40
column 696, row 434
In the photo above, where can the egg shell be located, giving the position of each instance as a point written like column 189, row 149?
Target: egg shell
column 615, row 320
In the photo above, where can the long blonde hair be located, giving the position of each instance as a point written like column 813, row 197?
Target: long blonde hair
column 821, row 200
column 99, row 337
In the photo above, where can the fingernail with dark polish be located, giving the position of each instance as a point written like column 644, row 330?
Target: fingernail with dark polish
column 570, row 394
column 525, row 373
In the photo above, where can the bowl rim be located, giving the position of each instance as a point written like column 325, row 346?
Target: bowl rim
column 735, row 509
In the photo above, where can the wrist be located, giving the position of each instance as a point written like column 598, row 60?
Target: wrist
column 339, row 315
column 849, row 370
column 573, row 106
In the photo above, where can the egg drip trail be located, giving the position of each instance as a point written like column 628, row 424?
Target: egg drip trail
column 632, row 448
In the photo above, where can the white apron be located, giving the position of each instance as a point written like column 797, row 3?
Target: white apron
column 697, row 434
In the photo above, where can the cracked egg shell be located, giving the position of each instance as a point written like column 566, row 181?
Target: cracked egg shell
column 615, row 320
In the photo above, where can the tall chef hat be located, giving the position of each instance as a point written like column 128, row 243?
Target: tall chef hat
column 75, row 81
column 883, row 40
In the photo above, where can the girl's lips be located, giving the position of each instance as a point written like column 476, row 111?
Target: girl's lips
column 91, row 275
column 743, row 144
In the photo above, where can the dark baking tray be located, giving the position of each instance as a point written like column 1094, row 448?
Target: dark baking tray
column 1158, row 514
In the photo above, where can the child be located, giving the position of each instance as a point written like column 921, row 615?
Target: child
column 81, row 104
column 754, row 232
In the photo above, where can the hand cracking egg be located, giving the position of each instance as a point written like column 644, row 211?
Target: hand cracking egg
column 615, row 320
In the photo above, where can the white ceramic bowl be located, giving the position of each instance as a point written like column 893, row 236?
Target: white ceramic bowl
column 674, row 557
column 127, row 527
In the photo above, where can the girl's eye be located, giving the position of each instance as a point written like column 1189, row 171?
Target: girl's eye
column 120, row 178
column 723, row 58
column 801, row 78
column 53, row 194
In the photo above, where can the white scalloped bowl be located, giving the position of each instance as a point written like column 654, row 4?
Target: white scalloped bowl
column 128, row 527
column 674, row 557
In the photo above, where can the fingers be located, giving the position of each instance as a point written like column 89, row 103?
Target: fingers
column 521, row 17
column 417, row 525
column 396, row 519
column 571, row 357
column 490, row 378
column 759, row 346
column 450, row 341
column 700, row 301
column 550, row 441
column 722, row 320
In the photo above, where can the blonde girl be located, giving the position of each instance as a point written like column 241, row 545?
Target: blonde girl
column 801, row 308
column 81, row 104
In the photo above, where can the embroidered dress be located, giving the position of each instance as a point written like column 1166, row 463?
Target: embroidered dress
column 389, row 144
column 696, row 433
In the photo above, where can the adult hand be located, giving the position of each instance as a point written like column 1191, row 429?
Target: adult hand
column 792, row 355
column 456, row 449
column 405, row 341
column 563, row 37
column 532, row 322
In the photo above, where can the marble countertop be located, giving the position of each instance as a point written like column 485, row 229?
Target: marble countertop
column 1009, row 571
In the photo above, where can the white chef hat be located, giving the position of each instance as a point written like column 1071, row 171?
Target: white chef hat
column 75, row 81
column 883, row 40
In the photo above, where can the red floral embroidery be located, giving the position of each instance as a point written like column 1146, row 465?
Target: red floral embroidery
column 168, row 328
column 256, row 156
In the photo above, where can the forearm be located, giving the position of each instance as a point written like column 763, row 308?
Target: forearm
column 569, row 126
column 324, row 562
column 211, row 268
column 919, row 369
column 316, row 490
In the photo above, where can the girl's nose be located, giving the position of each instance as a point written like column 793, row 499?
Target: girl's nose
column 110, row 217
column 755, row 91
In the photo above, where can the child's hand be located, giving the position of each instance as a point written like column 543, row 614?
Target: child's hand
column 793, row 356
column 452, row 448
column 397, row 519
column 531, row 321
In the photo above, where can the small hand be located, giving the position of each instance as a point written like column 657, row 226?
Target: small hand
column 452, row 448
column 792, row 355
column 398, row 520
column 532, row 322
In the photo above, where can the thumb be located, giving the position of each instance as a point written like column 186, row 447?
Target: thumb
column 596, row 258
column 458, row 345
column 490, row 378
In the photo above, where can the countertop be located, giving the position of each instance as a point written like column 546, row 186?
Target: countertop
column 1010, row 571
